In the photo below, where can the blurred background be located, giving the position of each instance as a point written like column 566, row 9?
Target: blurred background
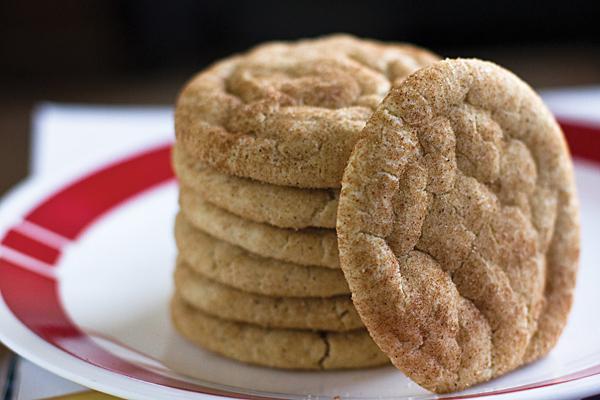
column 141, row 52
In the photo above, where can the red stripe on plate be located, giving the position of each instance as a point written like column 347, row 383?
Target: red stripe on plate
column 44, row 315
column 72, row 209
column 585, row 373
column 583, row 138
column 29, row 296
column 33, row 248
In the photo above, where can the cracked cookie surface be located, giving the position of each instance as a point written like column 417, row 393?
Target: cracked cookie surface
column 314, row 246
column 290, row 113
column 281, row 206
column 458, row 225
column 336, row 314
column 279, row 348
column 238, row 268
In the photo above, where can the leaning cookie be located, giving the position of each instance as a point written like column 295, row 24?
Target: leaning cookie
column 317, row 247
column 280, row 348
column 238, row 268
column 289, row 113
column 335, row 314
column 281, row 206
column 458, row 225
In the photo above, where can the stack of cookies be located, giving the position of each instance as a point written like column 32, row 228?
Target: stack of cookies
column 262, row 142
column 457, row 217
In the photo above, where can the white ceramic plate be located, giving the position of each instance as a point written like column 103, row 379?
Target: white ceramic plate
column 85, row 278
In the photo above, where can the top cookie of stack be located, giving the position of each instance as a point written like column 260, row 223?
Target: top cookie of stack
column 289, row 113
column 286, row 115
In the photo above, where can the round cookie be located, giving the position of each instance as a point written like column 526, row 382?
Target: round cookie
column 238, row 268
column 317, row 247
column 458, row 225
column 282, row 206
column 280, row 348
column 336, row 314
column 290, row 113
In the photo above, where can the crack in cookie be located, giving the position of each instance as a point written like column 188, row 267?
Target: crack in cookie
column 279, row 348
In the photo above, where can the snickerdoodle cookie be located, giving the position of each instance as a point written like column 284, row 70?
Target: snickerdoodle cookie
column 282, row 206
column 281, row 348
column 238, row 268
column 336, row 314
column 458, row 225
column 313, row 246
column 290, row 113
